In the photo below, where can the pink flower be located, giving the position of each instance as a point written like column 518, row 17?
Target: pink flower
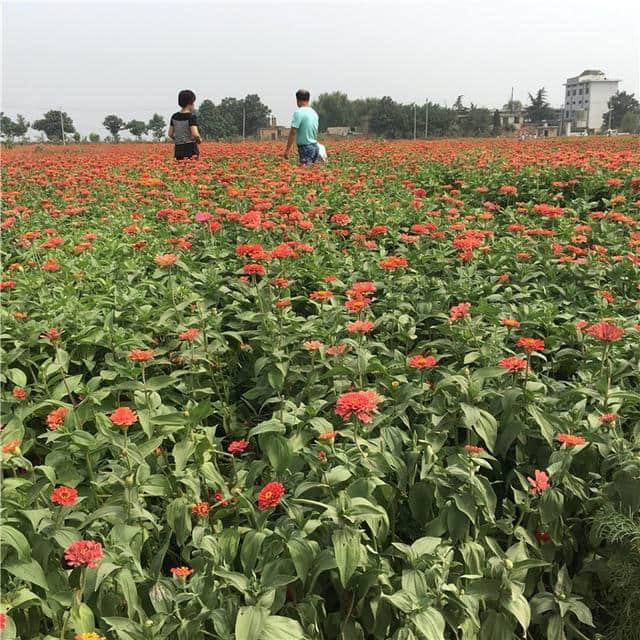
column 540, row 483
column 83, row 553
column 360, row 404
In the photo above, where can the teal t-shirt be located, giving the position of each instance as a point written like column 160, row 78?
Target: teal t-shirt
column 305, row 120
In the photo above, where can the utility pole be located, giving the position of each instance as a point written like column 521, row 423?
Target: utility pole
column 415, row 111
column 426, row 119
column 62, row 127
column 243, row 121
column 610, row 110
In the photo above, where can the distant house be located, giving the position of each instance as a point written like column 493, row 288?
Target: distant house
column 274, row 131
column 338, row 131
column 586, row 101
column 512, row 120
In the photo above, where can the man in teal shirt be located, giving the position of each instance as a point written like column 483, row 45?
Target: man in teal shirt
column 304, row 130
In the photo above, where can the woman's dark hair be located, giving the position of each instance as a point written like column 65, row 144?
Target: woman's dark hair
column 303, row 95
column 186, row 97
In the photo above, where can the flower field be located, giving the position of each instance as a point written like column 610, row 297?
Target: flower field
column 393, row 397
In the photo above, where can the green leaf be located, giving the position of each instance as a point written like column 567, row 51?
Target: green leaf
column 235, row 579
column 82, row 619
column 482, row 422
column 250, row 549
column 279, row 628
column 250, row 623
column 496, row 626
column 555, row 628
column 347, row 550
column 160, row 382
column 519, row 607
column 13, row 538
column 546, row 428
column 268, row 426
column 182, row 452
column 162, row 597
column 278, row 451
column 129, row 591
column 28, row 571
column 429, row 623
column 17, row 377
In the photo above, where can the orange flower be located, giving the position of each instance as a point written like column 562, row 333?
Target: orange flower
column 123, row 417
column 393, row 262
column 56, row 418
column 605, row 331
column 140, row 355
column 513, row 364
column 360, row 404
column 459, row 311
column 360, row 326
column 181, row 572
column 472, row 449
column 530, row 344
column 189, row 335
column 270, row 495
column 201, row 509
column 65, row 496
column 328, row 435
column 312, row 345
column 539, row 483
column 11, row 446
column 570, row 440
column 510, row 322
column 166, row 259
column 19, row 393
column 422, row 362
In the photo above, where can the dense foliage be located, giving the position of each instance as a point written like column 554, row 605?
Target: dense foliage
column 394, row 397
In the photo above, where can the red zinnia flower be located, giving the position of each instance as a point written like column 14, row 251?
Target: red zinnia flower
column 11, row 446
column 201, row 509
column 189, row 335
column 237, row 446
column 510, row 322
column 605, row 331
column 513, row 363
column 52, row 334
column 181, row 572
column 542, row 536
column 422, row 362
column 166, row 259
column 270, row 495
column 66, row 496
column 360, row 404
column 55, row 419
column 7, row 284
column 124, row 417
column 608, row 418
column 581, row 324
column 19, row 393
column 360, row 326
column 540, row 483
column 83, row 553
column 284, row 302
column 51, row 265
column 320, row 295
column 471, row 448
column 328, row 435
column 530, row 344
column 394, row 262
column 336, row 349
column 570, row 440
column 459, row 311
column 312, row 345
column 140, row 355
column 254, row 269
column 3, row 621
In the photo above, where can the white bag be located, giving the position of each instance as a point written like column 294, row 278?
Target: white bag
column 322, row 153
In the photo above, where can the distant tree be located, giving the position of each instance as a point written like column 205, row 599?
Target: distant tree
column 137, row 128
column 256, row 114
column 497, row 123
column 52, row 123
column 477, row 122
column 94, row 137
column 387, row 119
column 630, row 122
column 513, row 106
column 7, row 127
column 21, row 127
column 213, row 122
column 77, row 137
column 334, row 110
column 539, row 109
column 157, row 126
column 114, row 124
column 619, row 104
column 457, row 105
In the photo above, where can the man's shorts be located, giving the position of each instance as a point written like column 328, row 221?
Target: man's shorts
column 187, row 150
column 308, row 153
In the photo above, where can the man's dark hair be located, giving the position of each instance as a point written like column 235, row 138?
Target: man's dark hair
column 186, row 97
column 302, row 95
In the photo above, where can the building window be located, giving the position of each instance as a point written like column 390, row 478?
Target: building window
column 516, row 120
column 580, row 91
column 586, row 89
column 566, row 114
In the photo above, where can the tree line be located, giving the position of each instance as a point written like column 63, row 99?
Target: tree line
column 384, row 117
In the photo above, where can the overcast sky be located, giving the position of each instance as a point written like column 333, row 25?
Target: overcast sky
column 130, row 58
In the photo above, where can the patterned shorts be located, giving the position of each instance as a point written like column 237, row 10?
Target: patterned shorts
column 308, row 153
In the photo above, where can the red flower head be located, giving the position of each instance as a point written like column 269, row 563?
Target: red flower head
column 237, row 446
column 542, row 536
column 11, row 446
column 473, row 450
column 270, row 495
column 83, row 553
column 336, row 349
column 166, row 259
column 254, row 269
column 52, row 334
column 7, row 284
column 608, row 418
column 51, row 265
column 65, row 496
column 581, row 324
column 360, row 404
column 605, row 331
column 530, row 344
column 19, row 393
column 360, row 326
column 540, row 483
column 3, row 621
column 181, row 572
column 124, row 417
column 510, row 322
column 422, row 362
column 140, row 355
column 55, row 419
column 459, row 311
column 312, row 345
column 328, row 435
column 320, row 295
column 201, row 509
column 394, row 262
column 570, row 440
column 513, row 364
column 189, row 335
column 282, row 303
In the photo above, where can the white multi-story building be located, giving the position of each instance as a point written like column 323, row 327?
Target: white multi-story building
column 586, row 100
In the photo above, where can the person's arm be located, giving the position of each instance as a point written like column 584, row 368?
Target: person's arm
column 291, row 140
column 171, row 131
column 193, row 127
